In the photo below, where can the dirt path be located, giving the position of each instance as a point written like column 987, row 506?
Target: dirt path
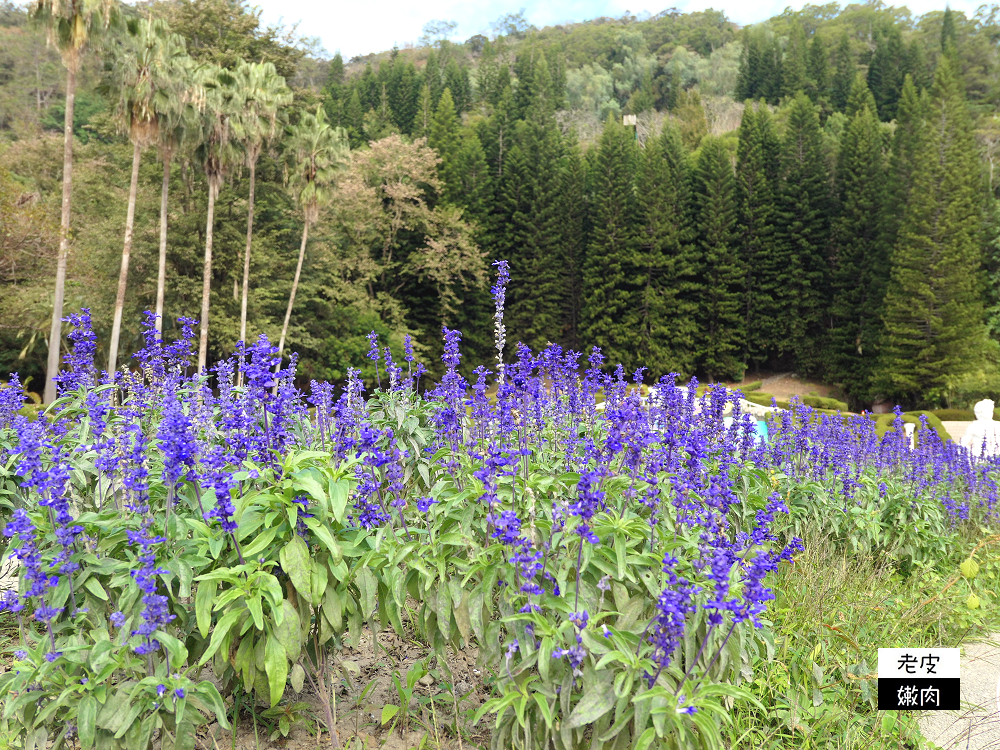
column 977, row 725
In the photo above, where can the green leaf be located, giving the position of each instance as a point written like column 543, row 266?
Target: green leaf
column 256, row 610
column 207, row 690
column 204, row 600
column 443, row 610
column 323, row 534
column 368, row 586
column 94, row 587
column 178, row 653
column 289, row 632
column 388, row 711
column 339, row 492
column 86, row 721
column 259, row 544
column 297, row 677
column 294, row 558
column 543, row 705
column 310, row 485
column 595, row 703
column 220, row 632
column 276, row 666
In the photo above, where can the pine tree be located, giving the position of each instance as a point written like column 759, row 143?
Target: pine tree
column 819, row 74
column 456, row 78
column 772, row 75
column 425, row 112
column 608, row 315
column 860, row 266
column 433, row 79
column 720, row 295
column 443, row 137
column 748, row 80
column 403, row 88
column 794, row 67
column 843, row 76
column 885, row 73
column 355, row 120
column 907, row 143
column 667, row 258
column 798, row 283
column 755, row 201
column 574, row 240
column 934, row 330
column 861, row 97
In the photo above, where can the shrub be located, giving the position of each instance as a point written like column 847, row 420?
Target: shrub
column 819, row 402
column 885, row 422
column 954, row 415
column 754, row 386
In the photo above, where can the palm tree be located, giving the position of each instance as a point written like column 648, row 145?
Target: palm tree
column 69, row 24
column 216, row 154
column 264, row 91
column 320, row 151
column 176, row 126
column 145, row 66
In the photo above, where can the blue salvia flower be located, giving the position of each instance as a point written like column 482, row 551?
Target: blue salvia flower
column 80, row 371
column 11, row 400
column 155, row 614
column 499, row 292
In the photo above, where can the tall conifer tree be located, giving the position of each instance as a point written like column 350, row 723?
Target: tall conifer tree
column 667, row 258
column 843, row 75
column 860, row 265
column 609, row 307
column 800, row 297
column 934, row 330
column 795, row 66
column 755, row 199
column 720, row 342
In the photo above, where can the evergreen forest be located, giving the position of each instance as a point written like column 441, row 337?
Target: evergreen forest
column 811, row 194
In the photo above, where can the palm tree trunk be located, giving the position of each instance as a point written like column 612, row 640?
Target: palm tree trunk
column 55, row 333
column 291, row 297
column 206, row 278
column 161, row 275
column 116, row 325
column 246, row 255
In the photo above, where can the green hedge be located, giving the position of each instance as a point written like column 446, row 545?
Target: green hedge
column 883, row 423
column 754, row 386
column 763, row 399
column 954, row 415
column 818, row 402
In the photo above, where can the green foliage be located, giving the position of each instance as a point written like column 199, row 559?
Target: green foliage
column 608, row 315
column 721, row 274
column 934, row 330
column 954, row 415
column 886, row 422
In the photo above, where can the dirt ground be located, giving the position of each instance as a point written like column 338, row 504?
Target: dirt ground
column 785, row 384
column 365, row 686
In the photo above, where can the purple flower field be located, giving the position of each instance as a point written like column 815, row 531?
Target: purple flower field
column 609, row 547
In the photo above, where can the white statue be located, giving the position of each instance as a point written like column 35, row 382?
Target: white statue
column 983, row 436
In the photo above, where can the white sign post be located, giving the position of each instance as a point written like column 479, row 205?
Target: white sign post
column 918, row 679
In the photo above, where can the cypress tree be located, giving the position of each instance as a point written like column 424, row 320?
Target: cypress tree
column 934, row 329
column 794, row 68
column 843, row 76
column 721, row 289
column 667, row 258
column 608, row 312
column 860, row 265
column 755, row 201
column 797, row 285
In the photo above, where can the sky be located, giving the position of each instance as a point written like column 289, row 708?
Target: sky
column 357, row 28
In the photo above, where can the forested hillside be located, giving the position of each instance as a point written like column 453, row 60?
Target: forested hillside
column 813, row 193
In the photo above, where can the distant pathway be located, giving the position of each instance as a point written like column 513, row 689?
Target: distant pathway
column 977, row 725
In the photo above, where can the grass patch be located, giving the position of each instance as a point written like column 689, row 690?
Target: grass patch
column 832, row 611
